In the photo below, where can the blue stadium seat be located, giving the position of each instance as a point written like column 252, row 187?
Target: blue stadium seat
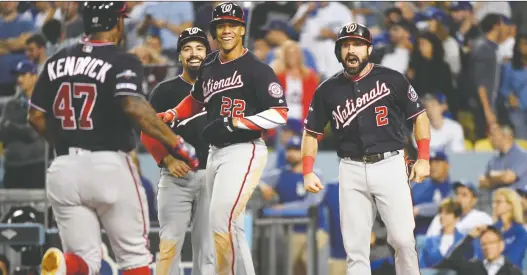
column 431, row 271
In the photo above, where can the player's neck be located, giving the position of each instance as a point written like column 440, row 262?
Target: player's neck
column 232, row 54
column 102, row 37
column 187, row 77
column 361, row 74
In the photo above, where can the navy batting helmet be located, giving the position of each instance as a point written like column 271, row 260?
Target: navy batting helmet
column 351, row 30
column 193, row 34
column 227, row 11
column 99, row 16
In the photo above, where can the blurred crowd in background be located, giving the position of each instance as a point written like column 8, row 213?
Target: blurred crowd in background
column 458, row 56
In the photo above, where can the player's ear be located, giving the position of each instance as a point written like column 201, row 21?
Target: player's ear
column 370, row 49
column 243, row 30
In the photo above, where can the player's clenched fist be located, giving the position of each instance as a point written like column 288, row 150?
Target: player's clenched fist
column 312, row 183
column 168, row 117
column 420, row 170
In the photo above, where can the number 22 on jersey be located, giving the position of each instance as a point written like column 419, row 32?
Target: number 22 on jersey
column 232, row 107
column 63, row 105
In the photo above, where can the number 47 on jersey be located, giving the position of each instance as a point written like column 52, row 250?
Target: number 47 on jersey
column 63, row 105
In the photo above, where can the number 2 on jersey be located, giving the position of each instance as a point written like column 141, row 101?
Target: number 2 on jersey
column 63, row 105
column 381, row 117
column 237, row 105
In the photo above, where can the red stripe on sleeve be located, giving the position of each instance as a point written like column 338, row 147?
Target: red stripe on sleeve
column 187, row 108
column 156, row 148
column 249, row 124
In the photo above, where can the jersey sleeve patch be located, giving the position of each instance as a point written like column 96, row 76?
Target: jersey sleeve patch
column 275, row 90
column 412, row 95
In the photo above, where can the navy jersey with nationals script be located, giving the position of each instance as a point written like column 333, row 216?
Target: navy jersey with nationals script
column 170, row 93
column 238, row 88
column 367, row 114
column 79, row 89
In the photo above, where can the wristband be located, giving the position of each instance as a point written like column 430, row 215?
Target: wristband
column 423, row 149
column 307, row 164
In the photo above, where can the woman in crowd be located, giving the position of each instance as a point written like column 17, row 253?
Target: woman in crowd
column 436, row 247
column 298, row 81
column 514, row 86
column 436, row 25
column 508, row 213
column 428, row 72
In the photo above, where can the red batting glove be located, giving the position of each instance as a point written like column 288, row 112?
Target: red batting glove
column 187, row 152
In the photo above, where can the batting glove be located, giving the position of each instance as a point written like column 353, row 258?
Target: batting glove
column 187, row 152
column 168, row 117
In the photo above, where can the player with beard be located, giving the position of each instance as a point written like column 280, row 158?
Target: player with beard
column 183, row 197
column 243, row 98
column 367, row 106
column 286, row 184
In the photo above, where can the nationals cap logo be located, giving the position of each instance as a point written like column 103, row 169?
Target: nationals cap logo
column 412, row 95
column 275, row 90
column 351, row 27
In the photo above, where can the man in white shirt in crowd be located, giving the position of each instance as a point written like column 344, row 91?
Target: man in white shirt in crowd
column 466, row 195
column 508, row 39
column 446, row 134
column 318, row 24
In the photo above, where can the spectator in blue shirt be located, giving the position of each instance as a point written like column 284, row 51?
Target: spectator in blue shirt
column 514, row 86
column 14, row 31
column 428, row 194
column 287, row 185
column 507, row 209
column 276, row 33
column 509, row 167
column 437, row 247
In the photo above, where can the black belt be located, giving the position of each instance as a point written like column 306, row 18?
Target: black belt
column 66, row 150
column 374, row 158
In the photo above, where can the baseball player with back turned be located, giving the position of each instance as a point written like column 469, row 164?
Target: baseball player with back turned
column 367, row 106
column 85, row 102
column 242, row 98
column 183, row 196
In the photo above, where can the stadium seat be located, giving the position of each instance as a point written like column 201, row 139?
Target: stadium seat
column 522, row 143
column 483, row 145
column 468, row 145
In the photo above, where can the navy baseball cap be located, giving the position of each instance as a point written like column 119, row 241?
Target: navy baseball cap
column 294, row 143
column 279, row 25
column 25, row 66
column 437, row 14
column 461, row 6
column 439, row 97
column 294, row 125
column 438, row 155
column 473, row 188
column 507, row 20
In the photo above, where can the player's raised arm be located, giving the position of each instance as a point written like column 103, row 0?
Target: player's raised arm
column 189, row 106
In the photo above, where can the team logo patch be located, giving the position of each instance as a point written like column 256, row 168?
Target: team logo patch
column 275, row 90
column 412, row 95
